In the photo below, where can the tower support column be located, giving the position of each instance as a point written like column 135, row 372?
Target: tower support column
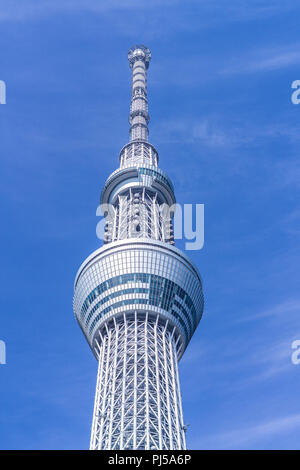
column 137, row 401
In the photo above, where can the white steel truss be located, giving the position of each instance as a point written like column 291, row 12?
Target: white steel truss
column 138, row 401
column 136, row 153
column 139, row 214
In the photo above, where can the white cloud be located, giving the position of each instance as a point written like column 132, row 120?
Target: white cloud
column 264, row 60
column 206, row 131
column 212, row 12
column 14, row 10
column 253, row 434
column 282, row 309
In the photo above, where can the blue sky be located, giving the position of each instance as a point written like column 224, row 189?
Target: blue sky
column 228, row 136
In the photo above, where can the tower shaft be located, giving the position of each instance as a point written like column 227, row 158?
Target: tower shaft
column 138, row 402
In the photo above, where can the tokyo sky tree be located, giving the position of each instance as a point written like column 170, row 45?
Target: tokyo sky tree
column 138, row 299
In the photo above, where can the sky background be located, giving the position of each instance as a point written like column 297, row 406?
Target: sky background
column 228, row 135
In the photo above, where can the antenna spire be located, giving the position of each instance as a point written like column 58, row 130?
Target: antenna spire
column 139, row 57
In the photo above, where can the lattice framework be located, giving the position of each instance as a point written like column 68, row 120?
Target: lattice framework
column 138, row 401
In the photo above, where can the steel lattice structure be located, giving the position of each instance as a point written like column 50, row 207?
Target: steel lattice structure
column 138, row 299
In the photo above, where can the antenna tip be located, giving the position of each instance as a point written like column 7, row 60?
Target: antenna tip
column 139, row 52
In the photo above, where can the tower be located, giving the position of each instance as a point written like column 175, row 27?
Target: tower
column 138, row 299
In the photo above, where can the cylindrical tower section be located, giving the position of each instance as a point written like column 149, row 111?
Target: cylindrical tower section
column 138, row 275
column 137, row 401
column 139, row 58
column 140, row 202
